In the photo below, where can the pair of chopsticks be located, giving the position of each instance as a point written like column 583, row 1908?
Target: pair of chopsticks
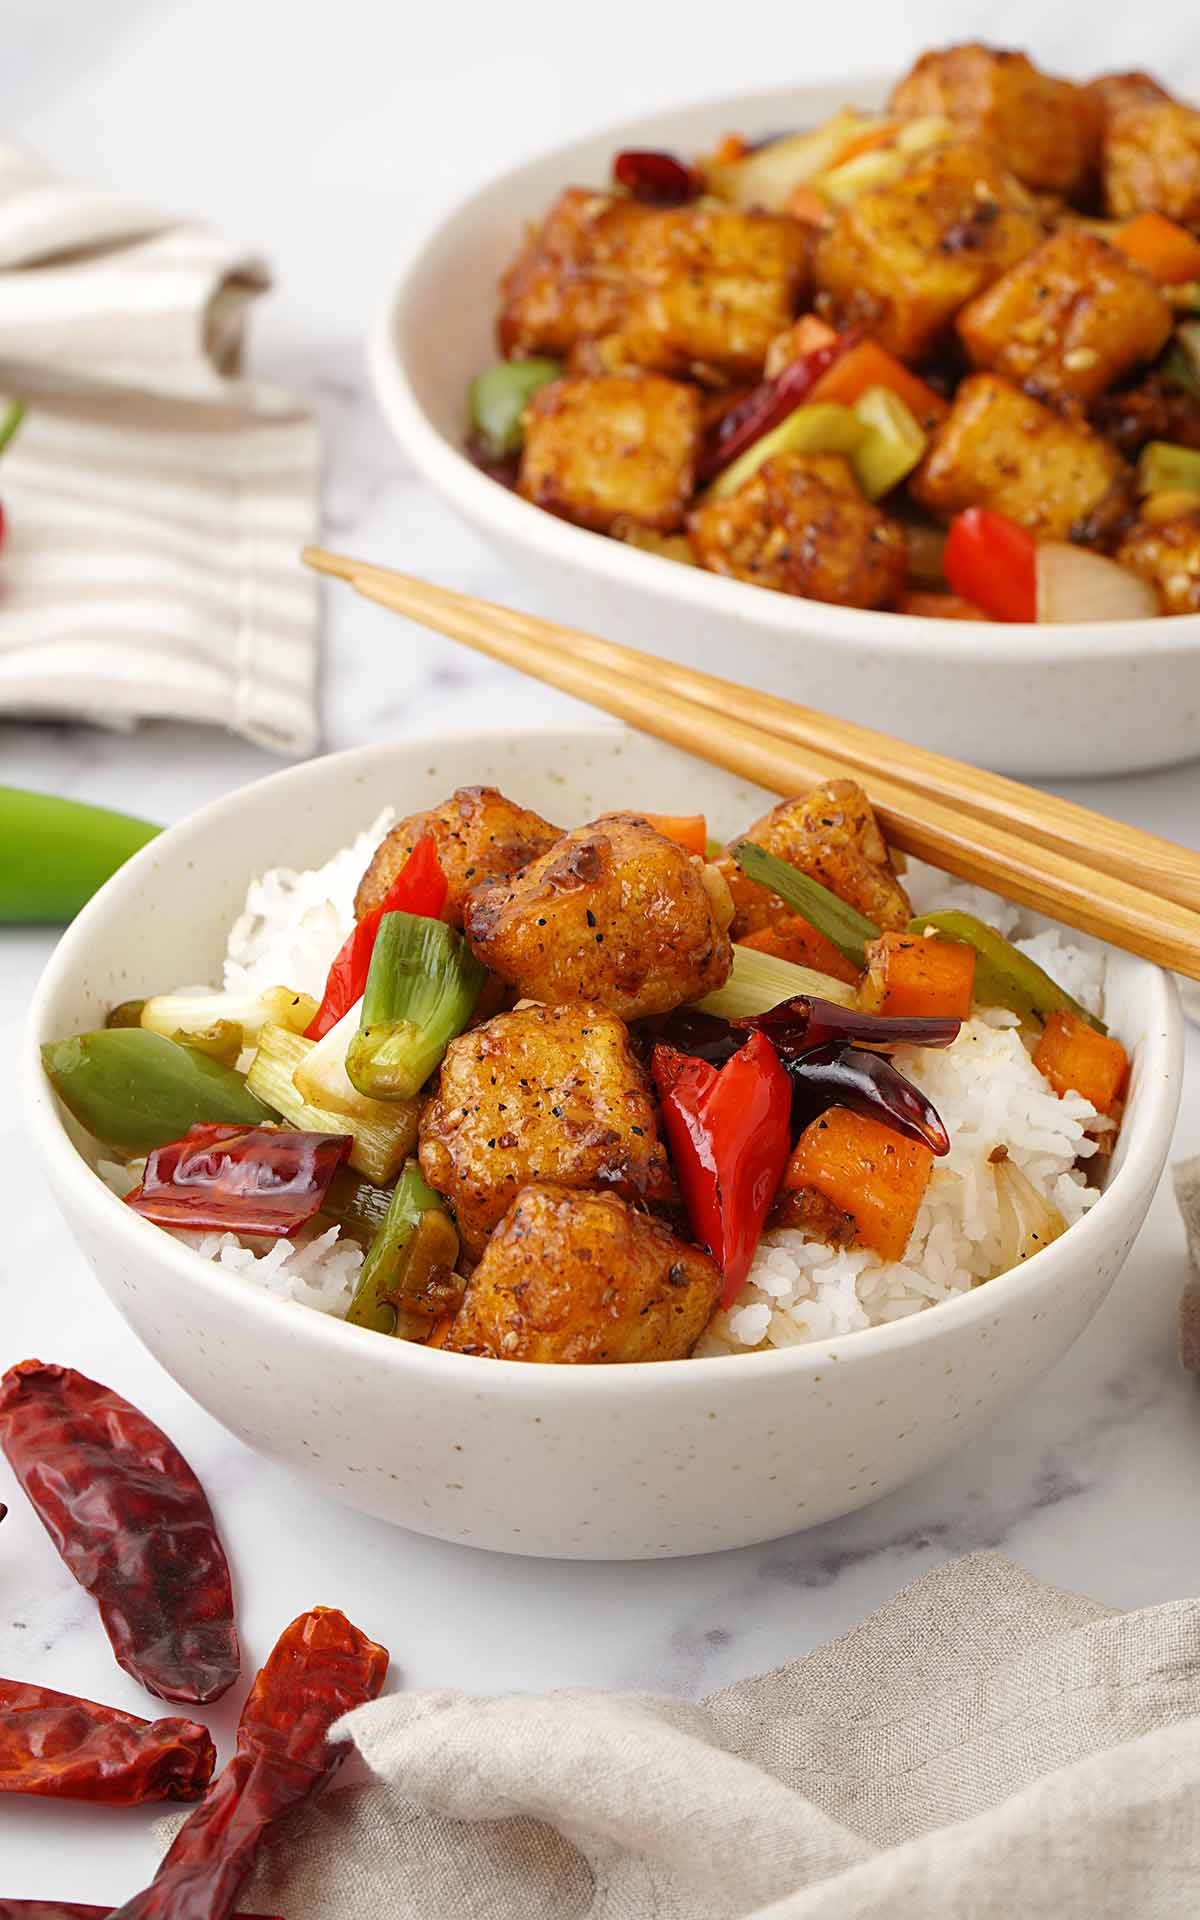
column 1110, row 880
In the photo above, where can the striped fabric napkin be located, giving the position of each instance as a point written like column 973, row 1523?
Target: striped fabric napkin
column 155, row 501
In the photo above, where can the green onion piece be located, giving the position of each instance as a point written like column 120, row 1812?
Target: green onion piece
column 1165, row 468
column 416, row 1239
column 825, row 428
column 384, row 1134
column 185, row 1013
column 1180, row 365
column 127, row 1014
column 222, row 1041
column 499, row 396
column 759, row 981
column 1004, row 977
column 421, row 991
column 359, row 1207
column 894, row 444
column 848, row 929
column 136, row 1090
column 57, row 853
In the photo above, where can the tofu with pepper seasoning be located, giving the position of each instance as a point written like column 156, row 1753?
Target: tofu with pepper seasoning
column 480, row 835
column 697, row 290
column 801, row 525
column 615, row 913
column 831, row 834
column 1047, row 130
column 542, row 1093
column 900, row 261
column 615, row 447
column 584, row 1279
column 1111, row 93
column 1000, row 448
column 1150, row 158
column 1164, row 547
column 1068, row 320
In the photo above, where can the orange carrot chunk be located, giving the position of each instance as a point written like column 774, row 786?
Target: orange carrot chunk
column 688, row 830
column 865, row 1170
column 910, row 973
column 870, row 365
column 1167, row 251
column 794, row 939
column 1077, row 1059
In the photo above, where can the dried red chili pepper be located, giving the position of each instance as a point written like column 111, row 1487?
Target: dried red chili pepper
column 797, row 1026
column 57, row 1744
column 71, row 1910
column 132, row 1523
column 767, row 404
column 868, row 1083
column 420, row 888
column 320, row 1668
column 266, row 1180
column 656, row 178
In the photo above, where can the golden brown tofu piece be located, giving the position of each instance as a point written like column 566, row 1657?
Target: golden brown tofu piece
column 1151, row 410
column 480, row 834
column 615, row 913
column 1113, row 92
column 800, row 525
column 1047, row 130
column 1151, row 158
column 697, row 290
column 1000, row 448
column 831, row 834
column 1167, row 553
column 614, row 447
column 901, row 260
column 583, row 1279
column 1068, row 320
column 542, row 1093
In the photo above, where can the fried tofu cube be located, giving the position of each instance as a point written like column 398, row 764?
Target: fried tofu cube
column 542, row 1093
column 1166, row 551
column 697, row 290
column 583, row 1279
column 831, row 834
column 999, row 448
column 901, row 260
column 1154, row 409
column 1151, row 158
column 1111, row 93
column 614, row 447
column 801, row 525
column 615, row 913
column 1068, row 320
column 480, row 835
column 1047, row 130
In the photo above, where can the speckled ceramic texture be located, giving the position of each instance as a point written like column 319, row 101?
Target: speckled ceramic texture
column 602, row 1462
column 1098, row 699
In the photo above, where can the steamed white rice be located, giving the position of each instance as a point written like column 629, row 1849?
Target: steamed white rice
column 986, row 1088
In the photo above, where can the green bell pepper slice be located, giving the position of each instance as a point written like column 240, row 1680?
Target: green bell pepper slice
column 135, row 1090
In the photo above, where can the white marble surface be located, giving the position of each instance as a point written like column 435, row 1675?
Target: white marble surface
column 329, row 136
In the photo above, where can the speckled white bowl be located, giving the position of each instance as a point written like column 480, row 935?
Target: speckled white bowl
column 601, row 1462
column 1107, row 697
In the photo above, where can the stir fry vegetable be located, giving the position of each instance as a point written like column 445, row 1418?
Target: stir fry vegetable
column 759, row 981
column 1075, row 1057
column 1004, row 976
column 913, row 973
column 407, row 1279
column 261, row 1180
column 137, row 1090
column 1164, row 468
column 992, row 562
column 383, row 1133
column 729, row 1130
column 189, row 1017
column 419, row 887
column 421, row 991
column 499, row 397
column 866, row 1171
column 848, row 929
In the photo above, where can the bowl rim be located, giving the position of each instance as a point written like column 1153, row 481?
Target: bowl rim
column 1161, row 1063
column 488, row 503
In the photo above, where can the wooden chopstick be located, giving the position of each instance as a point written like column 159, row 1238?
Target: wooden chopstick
column 653, row 695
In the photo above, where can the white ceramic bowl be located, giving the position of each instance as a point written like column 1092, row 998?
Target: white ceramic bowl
column 1054, row 700
column 600, row 1462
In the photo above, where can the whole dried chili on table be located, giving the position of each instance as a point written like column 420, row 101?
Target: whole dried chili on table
column 320, row 1668
column 54, row 1743
column 132, row 1523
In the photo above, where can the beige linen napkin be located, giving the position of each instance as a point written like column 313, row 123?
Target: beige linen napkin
column 155, row 501
column 983, row 1748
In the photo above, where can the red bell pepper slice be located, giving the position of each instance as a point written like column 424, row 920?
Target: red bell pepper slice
column 419, row 888
column 730, row 1134
column 991, row 560
column 266, row 1180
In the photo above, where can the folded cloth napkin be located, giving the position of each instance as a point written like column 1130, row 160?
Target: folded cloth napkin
column 155, row 501
column 984, row 1747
